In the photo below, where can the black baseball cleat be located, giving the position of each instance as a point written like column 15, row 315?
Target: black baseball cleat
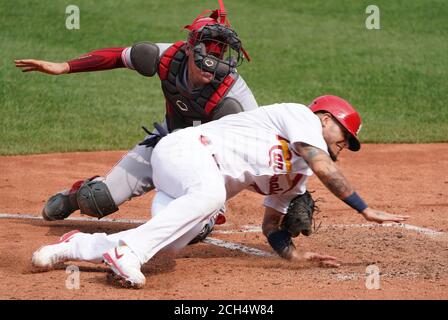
column 208, row 228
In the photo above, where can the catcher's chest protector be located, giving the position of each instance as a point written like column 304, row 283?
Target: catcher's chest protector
column 182, row 110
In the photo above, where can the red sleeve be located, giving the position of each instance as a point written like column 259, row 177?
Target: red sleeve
column 102, row 59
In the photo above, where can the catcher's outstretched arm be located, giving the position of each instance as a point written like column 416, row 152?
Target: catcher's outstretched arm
column 330, row 175
column 98, row 60
column 102, row 59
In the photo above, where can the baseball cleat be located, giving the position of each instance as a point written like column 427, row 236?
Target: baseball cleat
column 49, row 255
column 208, row 228
column 125, row 267
column 62, row 204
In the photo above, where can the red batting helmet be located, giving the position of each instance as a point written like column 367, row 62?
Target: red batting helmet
column 342, row 111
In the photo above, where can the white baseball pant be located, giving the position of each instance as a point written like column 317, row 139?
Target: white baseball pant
column 193, row 191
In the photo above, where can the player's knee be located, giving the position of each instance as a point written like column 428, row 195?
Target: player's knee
column 214, row 197
column 160, row 201
column 94, row 199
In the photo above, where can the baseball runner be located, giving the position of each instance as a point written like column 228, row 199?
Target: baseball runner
column 200, row 84
column 271, row 150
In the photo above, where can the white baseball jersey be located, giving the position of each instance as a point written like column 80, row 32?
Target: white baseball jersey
column 240, row 91
column 254, row 150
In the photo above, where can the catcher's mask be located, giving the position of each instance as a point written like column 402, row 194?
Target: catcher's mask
column 217, row 50
column 215, row 45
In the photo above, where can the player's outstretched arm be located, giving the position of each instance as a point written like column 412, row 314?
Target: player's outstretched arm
column 330, row 175
column 280, row 240
column 102, row 59
column 53, row 68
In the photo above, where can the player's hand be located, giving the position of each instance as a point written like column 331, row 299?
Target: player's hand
column 322, row 260
column 380, row 217
column 53, row 68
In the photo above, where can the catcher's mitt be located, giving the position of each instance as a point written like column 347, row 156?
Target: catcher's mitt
column 299, row 217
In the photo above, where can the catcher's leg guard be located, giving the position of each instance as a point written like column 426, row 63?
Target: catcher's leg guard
column 94, row 199
column 62, row 204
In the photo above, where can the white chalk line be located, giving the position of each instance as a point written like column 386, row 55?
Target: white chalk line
column 244, row 229
column 426, row 231
column 359, row 275
column 237, row 246
column 82, row 219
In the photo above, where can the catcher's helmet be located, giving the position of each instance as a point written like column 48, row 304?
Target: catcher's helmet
column 344, row 113
column 216, row 46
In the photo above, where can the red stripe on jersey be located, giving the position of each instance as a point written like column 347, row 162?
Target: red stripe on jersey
column 279, row 137
column 219, row 94
column 167, row 57
column 296, row 180
column 169, row 109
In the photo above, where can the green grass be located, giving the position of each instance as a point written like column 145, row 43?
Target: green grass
column 397, row 77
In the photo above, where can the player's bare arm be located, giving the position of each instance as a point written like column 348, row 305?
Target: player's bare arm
column 272, row 224
column 325, row 169
column 330, row 175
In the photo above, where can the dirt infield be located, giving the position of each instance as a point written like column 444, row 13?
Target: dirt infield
column 413, row 264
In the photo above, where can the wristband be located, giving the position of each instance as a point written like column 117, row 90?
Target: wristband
column 281, row 241
column 355, row 201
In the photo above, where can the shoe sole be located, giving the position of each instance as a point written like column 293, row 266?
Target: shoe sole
column 43, row 269
column 116, row 276
column 119, row 281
